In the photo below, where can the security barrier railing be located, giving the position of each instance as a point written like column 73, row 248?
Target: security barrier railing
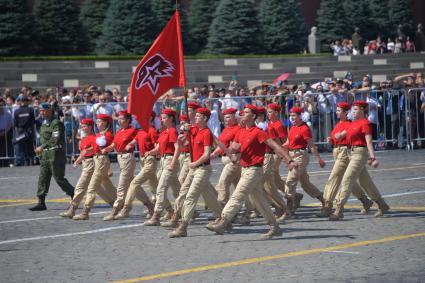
column 395, row 115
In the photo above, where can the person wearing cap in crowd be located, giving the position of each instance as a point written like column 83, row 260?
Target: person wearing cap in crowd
column 298, row 142
column 231, row 172
column 146, row 141
column 272, row 180
column 359, row 137
column 341, row 157
column 124, row 146
column 251, row 142
column 169, row 150
column 24, row 121
column 102, row 164
column 6, row 134
column 53, row 159
column 87, row 145
column 202, row 141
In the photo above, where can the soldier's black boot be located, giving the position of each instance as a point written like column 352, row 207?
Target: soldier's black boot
column 41, row 205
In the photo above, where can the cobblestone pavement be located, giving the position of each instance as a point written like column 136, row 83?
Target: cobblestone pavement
column 42, row 247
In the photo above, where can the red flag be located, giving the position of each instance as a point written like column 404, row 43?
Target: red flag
column 161, row 68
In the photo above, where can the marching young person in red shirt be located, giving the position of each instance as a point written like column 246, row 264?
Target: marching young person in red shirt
column 341, row 157
column 87, row 144
column 359, row 137
column 298, row 142
column 102, row 165
column 231, row 172
column 169, row 150
column 146, row 141
column 251, row 142
column 202, row 141
column 126, row 160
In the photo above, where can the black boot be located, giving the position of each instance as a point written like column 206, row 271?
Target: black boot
column 41, row 204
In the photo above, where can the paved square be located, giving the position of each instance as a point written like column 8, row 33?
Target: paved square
column 42, row 247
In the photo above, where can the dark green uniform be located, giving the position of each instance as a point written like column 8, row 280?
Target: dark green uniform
column 53, row 159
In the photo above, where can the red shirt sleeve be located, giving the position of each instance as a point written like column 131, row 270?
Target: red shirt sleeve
column 262, row 136
column 367, row 128
column 306, row 133
column 172, row 135
column 109, row 138
column 153, row 135
column 208, row 139
column 281, row 132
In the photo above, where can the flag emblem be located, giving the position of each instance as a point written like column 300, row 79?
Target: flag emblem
column 151, row 72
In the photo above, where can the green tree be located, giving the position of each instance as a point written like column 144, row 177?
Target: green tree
column 379, row 16
column 59, row 29
column 331, row 21
column 199, row 19
column 164, row 10
column 283, row 26
column 129, row 28
column 359, row 15
column 16, row 28
column 400, row 13
column 235, row 29
column 92, row 16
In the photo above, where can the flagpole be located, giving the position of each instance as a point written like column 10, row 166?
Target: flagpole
column 186, row 108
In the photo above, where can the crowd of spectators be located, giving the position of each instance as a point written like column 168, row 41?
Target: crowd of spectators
column 387, row 100
column 376, row 46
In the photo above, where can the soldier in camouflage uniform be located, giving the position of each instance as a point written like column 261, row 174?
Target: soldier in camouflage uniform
column 52, row 156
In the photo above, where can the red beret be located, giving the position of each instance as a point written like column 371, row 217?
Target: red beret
column 261, row 110
column 105, row 117
column 274, row 107
column 168, row 111
column 124, row 113
column 153, row 114
column 204, row 111
column 344, row 105
column 184, row 117
column 229, row 111
column 361, row 103
column 252, row 107
column 241, row 113
column 87, row 121
column 193, row 105
column 296, row 109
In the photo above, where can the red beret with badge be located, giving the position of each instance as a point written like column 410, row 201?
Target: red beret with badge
column 204, row 111
column 104, row 117
column 274, row 107
column 297, row 110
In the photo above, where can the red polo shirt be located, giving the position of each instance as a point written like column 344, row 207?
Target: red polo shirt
column 275, row 130
column 252, row 144
column 228, row 135
column 88, row 142
column 123, row 137
column 167, row 139
column 146, row 140
column 201, row 139
column 109, row 139
column 193, row 130
column 357, row 131
column 298, row 136
column 340, row 127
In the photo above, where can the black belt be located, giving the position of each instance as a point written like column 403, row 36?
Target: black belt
column 356, row 146
column 203, row 164
column 88, row 157
column 54, row 147
column 256, row 165
column 167, row 155
column 340, row 145
column 298, row 149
